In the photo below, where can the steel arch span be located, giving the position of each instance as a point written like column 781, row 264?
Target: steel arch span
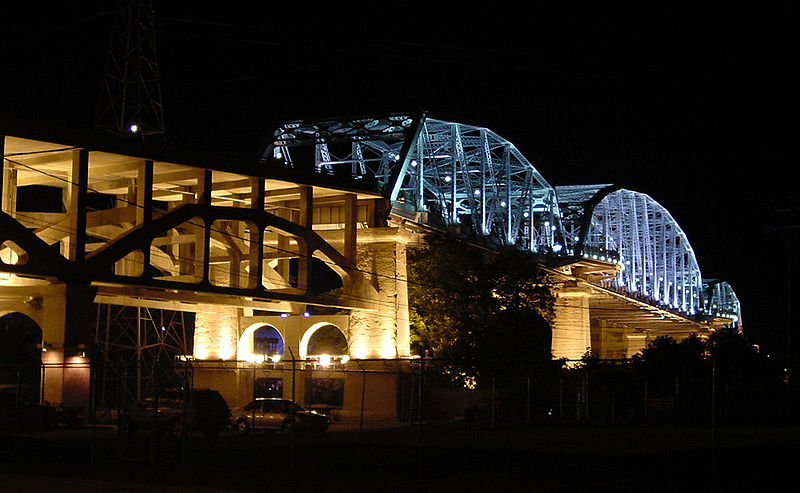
column 444, row 173
column 657, row 260
column 469, row 179
column 720, row 300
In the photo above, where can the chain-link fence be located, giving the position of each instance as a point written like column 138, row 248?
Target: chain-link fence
column 163, row 411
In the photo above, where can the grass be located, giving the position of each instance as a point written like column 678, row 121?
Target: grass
column 434, row 458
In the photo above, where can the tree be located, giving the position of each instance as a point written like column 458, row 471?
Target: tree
column 489, row 312
column 747, row 383
column 665, row 363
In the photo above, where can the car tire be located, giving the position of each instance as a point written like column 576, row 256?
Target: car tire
column 242, row 427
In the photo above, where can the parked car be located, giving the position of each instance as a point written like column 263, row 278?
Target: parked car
column 206, row 408
column 17, row 412
column 277, row 414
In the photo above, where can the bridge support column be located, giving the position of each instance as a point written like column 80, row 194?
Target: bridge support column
column 64, row 315
column 571, row 328
column 216, row 333
column 385, row 332
column 636, row 342
column 609, row 340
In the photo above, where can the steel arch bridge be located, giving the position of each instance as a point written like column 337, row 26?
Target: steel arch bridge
column 656, row 256
column 469, row 179
column 455, row 175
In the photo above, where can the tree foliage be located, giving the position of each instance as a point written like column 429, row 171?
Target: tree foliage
column 488, row 311
column 746, row 385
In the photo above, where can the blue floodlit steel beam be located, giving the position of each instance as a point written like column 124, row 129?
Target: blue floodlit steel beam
column 658, row 261
column 458, row 175
column 468, row 178
column 721, row 301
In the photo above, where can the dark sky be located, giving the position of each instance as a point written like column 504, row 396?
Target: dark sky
column 693, row 106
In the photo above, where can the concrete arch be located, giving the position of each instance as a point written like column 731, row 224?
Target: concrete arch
column 20, row 352
column 245, row 350
column 310, row 332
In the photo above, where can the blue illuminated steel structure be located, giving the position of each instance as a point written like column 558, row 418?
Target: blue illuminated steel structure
column 658, row 261
column 457, row 175
column 720, row 300
column 468, row 178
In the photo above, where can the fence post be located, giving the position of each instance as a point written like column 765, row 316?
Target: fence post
column 419, row 417
column 561, row 394
column 528, row 402
column 154, row 425
column 253, row 413
column 92, row 408
column 491, row 422
column 121, row 377
column 713, row 422
column 187, row 409
column 410, row 415
column 291, row 417
column 363, row 395
column 41, row 401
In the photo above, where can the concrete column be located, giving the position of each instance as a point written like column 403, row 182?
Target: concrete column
column 2, row 164
column 571, row 328
column 306, row 221
column 350, row 227
column 64, row 314
column 77, row 190
column 636, row 342
column 403, row 327
column 10, row 191
column 256, row 254
column 216, row 333
column 380, row 334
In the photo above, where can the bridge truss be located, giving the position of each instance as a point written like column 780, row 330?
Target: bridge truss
column 469, row 179
column 658, row 261
column 453, row 175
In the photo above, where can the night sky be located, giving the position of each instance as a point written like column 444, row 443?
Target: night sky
column 691, row 106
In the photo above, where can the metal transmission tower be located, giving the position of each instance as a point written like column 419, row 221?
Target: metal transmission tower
column 130, row 105
column 130, row 101
column 137, row 342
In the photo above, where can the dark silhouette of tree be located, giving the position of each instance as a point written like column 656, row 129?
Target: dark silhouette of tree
column 487, row 311
column 747, row 383
column 746, row 387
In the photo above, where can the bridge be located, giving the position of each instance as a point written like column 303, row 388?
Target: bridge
column 108, row 243
column 639, row 264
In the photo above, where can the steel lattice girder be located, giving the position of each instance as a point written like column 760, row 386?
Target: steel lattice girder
column 720, row 300
column 457, row 173
column 658, row 260
column 450, row 170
